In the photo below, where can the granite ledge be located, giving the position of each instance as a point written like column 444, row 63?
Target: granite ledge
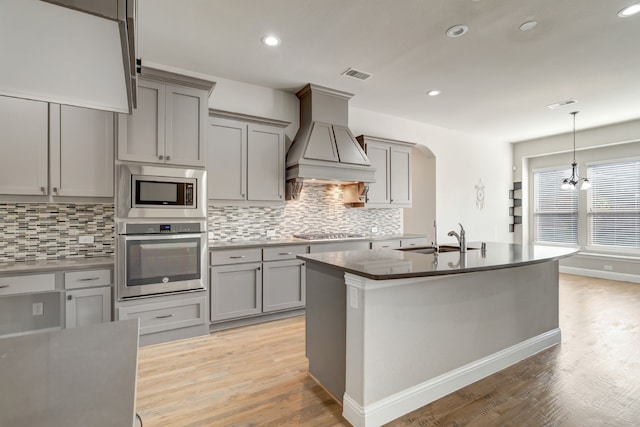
column 49, row 265
column 385, row 264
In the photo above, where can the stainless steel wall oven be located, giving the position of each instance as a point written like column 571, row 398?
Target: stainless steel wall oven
column 159, row 258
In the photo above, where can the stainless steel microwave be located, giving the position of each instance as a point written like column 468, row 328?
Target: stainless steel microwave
column 160, row 192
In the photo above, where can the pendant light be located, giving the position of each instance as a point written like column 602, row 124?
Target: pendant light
column 572, row 182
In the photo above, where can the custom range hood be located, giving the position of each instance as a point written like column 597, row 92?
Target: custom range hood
column 72, row 52
column 324, row 148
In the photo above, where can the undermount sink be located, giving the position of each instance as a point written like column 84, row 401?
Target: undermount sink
column 430, row 250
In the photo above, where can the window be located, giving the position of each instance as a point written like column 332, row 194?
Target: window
column 614, row 204
column 555, row 211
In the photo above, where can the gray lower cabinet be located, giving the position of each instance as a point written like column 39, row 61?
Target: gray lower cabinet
column 87, row 297
column 283, row 285
column 167, row 318
column 87, row 306
column 235, row 290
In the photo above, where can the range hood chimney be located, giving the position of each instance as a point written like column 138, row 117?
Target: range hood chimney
column 324, row 148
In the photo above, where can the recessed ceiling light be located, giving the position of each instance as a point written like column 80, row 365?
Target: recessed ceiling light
column 629, row 10
column 457, row 30
column 434, row 92
column 529, row 25
column 271, row 40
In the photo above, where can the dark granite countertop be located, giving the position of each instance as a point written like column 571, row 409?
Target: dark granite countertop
column 47, row 265
column 381, row 264
column 249, row 243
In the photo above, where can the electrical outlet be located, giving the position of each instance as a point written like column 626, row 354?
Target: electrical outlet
column 85, row 239
column 374, row 229
column 608, row 268
column 37, row 309
column 271, row 233
column 210, row 235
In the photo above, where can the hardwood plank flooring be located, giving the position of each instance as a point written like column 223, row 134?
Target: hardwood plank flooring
column 257, row 375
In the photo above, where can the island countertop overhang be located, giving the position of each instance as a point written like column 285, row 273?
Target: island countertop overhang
column 384, row 264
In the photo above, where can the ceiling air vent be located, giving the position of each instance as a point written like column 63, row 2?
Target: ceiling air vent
column 356, row 74
column 562, row 104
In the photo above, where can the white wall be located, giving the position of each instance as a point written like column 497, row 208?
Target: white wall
column 461, row 161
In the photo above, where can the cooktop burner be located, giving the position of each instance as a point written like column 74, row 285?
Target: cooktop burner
column 328, row 236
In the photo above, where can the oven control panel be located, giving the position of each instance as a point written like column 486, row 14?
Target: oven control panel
column 163, row 228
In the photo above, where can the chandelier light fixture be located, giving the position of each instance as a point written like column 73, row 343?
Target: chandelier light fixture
column 574, row 180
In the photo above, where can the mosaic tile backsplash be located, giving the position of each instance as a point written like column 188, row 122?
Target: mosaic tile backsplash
column 31, row 231
column 319, row 209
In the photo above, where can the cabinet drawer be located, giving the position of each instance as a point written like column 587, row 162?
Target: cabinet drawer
column 388, row 244
column 235, row 256
column 87, row 279
column 283, row 252
column 360, row 245
column 164, row 316
column 414, row 241
column 13, row 285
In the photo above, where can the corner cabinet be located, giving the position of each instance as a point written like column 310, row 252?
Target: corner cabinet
column 169, row 124
column 245, row 160
column 55, row 149
column 392, row 186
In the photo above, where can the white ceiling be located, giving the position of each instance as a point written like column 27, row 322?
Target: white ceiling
column 496, row 80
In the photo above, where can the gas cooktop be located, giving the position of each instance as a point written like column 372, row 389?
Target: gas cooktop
column 328, row 236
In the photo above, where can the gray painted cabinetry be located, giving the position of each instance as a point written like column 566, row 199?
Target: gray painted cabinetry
column 87, row 297
column 392, row 186
column 168, row 126
column 55, row 150
column 251, row 281
column 245, row 160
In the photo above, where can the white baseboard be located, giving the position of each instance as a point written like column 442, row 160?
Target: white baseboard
column 398, row 404
column 600, row 274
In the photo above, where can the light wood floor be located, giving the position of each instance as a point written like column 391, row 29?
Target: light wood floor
column 257, row 375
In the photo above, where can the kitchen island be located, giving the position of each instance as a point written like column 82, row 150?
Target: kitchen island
column 390, row 331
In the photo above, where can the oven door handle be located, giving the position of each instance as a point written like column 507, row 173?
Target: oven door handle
column 162, row 236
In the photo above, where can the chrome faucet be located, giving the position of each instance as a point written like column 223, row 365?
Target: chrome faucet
column 462, row 238
column 436, row 248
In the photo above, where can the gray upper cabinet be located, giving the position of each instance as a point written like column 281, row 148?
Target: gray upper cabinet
column 168, row 126
column 55, row 150
column 392, row 186
column 245, row 160
column 81, row 151
column 25, row 134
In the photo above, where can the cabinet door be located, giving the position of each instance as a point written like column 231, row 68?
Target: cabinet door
column 235, row 291
column 81, row 147
column 226, row 159
column 185, row 123
column 401, row 176
column 283, row 285
column 265, row 170
column 24, row 131
column 379, row 191
column 141, row 135
column 87, row 307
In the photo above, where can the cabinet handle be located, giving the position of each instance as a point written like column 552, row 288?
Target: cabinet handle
column 88, row 279
column 237, row 257
column 242, row 195
column 391, row 200
column 168, row 157
column 55, row 189
column 384, row 246
column 284, row 253
column 69, row 297
column 165, row 316
column 259, row 268
column 160, row 157
column 4, row 286
column 44, row 191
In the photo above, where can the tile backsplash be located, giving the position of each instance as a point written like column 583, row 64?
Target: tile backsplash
column 50, row 230
column 318, row 209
